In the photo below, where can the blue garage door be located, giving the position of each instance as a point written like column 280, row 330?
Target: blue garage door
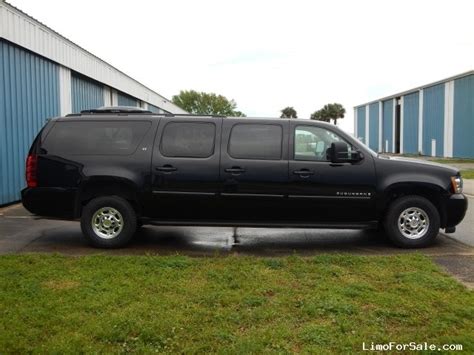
column 126, row 100
column 433, row 119
column 361, row 123
column 86, row 94
column 374, row 126
column 387, row 125
column 411, row 104
column 29, row 94
column 155, row 109
column 463, row 140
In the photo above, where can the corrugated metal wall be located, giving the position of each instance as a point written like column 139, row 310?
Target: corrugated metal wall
column 410, row 122
column 463, row 132
column 85, row 93
column 447, row 108
column 361, row 123
column 387, row 125
column 29, row 93
column 18, row 27
column 374, row 126
column 155, row 109
column 433, row 119
column 126, row 100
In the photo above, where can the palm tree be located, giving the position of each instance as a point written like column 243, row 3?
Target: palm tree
column 329, row 112
column 288, row 112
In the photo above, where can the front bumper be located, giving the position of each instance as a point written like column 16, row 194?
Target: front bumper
column 455, row 207
column 50, row 201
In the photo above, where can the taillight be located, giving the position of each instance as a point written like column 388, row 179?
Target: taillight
column 31, row 169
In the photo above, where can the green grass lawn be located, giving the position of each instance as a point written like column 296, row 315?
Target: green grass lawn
column 452, row 160
column 467, row 174
column 232, row 304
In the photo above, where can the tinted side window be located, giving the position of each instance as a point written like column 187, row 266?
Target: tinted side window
column 95, row 138
column 256, row 141
column 188, row 139
column 312, row 143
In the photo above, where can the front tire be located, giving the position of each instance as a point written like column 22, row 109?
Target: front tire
column 412, row 222
column 108, row 222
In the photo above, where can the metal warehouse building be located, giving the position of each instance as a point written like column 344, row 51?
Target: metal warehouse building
column 435, row 119
column 42, row 75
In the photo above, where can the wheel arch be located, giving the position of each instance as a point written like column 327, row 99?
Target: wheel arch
column 432, row 192
column 106, row 186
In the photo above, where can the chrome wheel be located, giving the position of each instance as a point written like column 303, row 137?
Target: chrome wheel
column 413, row 223
column 107, row 223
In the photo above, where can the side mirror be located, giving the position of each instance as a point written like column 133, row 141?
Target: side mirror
column 339, row 153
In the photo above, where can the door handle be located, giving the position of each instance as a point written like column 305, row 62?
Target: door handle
column 235, row 170
column 166, row 168
column 304, row 173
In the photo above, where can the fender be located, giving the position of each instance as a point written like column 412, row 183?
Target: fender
column 397, row 178
column 94, row 186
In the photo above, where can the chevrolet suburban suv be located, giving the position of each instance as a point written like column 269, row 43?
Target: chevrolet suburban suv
column 116, row 169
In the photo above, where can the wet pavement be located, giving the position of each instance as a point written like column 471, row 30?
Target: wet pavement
column 66, row 238
column 21, row 232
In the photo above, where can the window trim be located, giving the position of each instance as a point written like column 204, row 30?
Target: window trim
column 160, row 146
column 317, row 127
column 257, row 124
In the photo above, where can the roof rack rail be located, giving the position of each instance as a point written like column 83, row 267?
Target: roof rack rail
column 134, row 110
column 193, row 115
column 117, row 109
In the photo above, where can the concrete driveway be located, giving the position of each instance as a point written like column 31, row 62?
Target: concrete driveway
column 21, row 232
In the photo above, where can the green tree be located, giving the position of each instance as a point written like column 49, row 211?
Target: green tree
column 320, row 115
column 203, row 103
column 329, row 112
column 288, row 112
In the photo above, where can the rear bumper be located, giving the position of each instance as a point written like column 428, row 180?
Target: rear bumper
column 456, row 207
column 50, row 201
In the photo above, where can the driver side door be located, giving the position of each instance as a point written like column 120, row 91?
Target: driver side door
column 322, row 192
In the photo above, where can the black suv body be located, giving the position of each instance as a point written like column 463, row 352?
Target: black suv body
column 117, row 171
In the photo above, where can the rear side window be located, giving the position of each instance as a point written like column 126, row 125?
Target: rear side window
column 256, row 141
column 95, row 138
column 188, row 139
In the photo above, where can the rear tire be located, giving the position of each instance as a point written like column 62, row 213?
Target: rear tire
column 108, row 222
column 412, row 222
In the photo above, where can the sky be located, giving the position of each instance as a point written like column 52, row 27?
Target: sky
column 267, row 55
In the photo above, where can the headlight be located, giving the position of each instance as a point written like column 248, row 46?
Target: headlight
column 456, row 182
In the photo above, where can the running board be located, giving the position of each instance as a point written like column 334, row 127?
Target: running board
column 368, row 225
